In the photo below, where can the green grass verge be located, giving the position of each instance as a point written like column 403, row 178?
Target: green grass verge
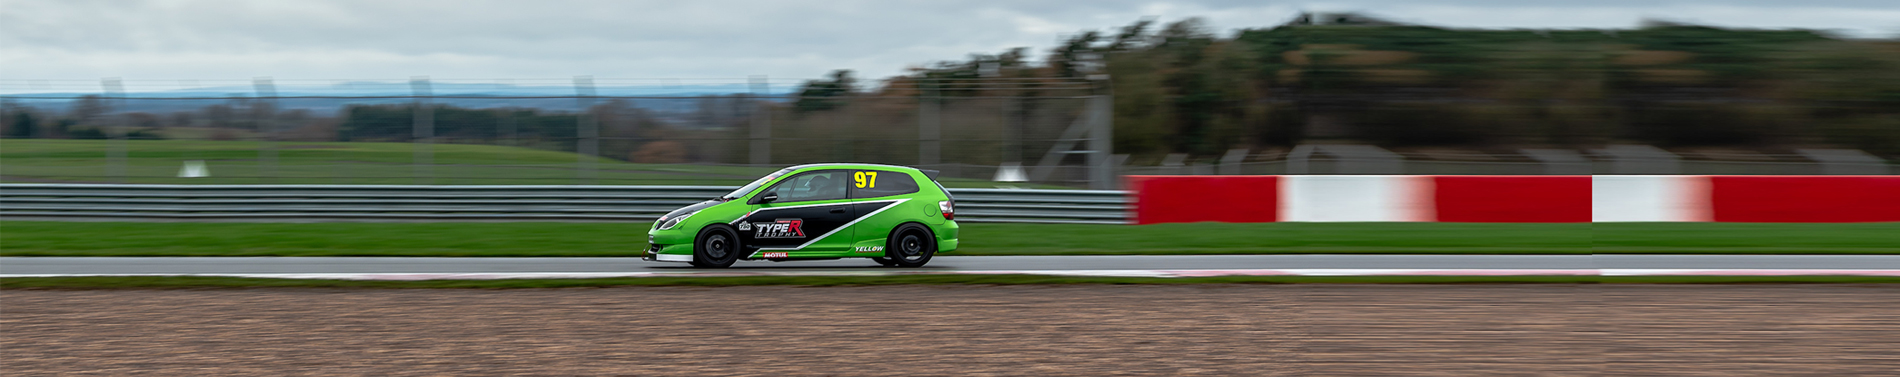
column 200, row 282
column 37, row 238
column 237, row 162
column 1746, row 238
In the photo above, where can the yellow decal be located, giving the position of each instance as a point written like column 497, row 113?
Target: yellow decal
column 865, row 179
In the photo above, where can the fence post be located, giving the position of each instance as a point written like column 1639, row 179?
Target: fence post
column 761, row 150
column 424, row 160
column 1559, row 161
column 1845, row 161
column 929, row 132
column 1102, row 136
column 588, row 131
column 115, row 149
column 1230, row 164
column 505, row 128
column 1299, row 161
column 1641, row 159
column 266, row 148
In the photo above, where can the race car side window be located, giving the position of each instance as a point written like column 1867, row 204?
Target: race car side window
column 878, row 183
column 810, row 186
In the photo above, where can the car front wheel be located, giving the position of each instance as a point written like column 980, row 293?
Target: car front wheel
column 717, row 247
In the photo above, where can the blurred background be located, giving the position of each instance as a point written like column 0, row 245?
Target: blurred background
column 1027, row 95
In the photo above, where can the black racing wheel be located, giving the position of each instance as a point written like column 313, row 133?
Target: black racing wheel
column 910, row 245
column 717, row 247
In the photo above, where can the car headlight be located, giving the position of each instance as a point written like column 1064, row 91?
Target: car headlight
column 669, row 223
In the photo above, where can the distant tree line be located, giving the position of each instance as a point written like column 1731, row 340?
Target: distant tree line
column 1180, row 88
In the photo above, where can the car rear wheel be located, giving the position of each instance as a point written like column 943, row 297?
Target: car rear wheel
column 717, row 247
column 910, row 245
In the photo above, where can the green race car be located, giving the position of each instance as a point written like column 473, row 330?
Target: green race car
column 898, row 216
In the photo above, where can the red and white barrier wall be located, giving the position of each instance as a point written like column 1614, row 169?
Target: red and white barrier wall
column 1515, row 199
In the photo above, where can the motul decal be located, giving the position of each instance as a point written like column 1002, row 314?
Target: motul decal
column 777, row 254
column 781, row 228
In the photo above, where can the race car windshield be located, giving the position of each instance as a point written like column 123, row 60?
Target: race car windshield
column 735, row 194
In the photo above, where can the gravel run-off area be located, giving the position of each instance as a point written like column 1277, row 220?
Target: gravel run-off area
column 1311, row 329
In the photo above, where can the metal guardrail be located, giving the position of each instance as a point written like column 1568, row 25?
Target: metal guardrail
column 371, row 203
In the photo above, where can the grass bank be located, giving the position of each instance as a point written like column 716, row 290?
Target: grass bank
column 238, row 162
column 35, row 238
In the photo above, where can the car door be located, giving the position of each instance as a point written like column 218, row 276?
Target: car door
column 811, row 210
column 875, row 192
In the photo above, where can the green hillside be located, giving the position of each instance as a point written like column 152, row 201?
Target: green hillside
column 238, row 162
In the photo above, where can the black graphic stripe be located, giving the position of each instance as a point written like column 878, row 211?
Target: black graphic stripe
column 815, row 222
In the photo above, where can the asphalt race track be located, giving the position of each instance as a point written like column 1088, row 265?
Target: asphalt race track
column 1180, row 265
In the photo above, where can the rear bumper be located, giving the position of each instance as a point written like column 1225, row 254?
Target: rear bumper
column 947, row 235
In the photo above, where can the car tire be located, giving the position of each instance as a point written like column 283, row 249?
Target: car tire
column 716, row 247
column 910, row 246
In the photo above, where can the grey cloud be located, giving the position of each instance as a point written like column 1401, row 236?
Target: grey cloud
column 383, row 38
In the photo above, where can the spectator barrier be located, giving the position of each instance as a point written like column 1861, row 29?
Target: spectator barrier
column 1518, row 199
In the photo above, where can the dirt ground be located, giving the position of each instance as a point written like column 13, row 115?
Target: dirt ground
column 1346, row 330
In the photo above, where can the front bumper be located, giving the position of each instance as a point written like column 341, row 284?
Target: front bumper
column 668, row 247
column 669, row 253
column 668, row 258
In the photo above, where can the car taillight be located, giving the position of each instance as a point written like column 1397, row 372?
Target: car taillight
column 949, row 209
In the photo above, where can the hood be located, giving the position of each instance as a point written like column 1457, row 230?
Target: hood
column 692, row 208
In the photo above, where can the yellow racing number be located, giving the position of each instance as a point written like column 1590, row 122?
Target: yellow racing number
column 864, row 179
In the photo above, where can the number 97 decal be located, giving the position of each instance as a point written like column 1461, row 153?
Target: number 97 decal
column 864, row 179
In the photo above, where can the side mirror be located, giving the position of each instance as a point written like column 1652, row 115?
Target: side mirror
column 769, row 197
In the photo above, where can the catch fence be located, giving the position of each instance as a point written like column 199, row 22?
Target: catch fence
column 588, row 131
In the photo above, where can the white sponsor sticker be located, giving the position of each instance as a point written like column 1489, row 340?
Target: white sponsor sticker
column 781, row 228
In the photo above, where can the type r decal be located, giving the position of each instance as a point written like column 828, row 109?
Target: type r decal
column 780, row 228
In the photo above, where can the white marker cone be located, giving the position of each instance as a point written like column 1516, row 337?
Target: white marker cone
column 194, row 169
column 1010, row 172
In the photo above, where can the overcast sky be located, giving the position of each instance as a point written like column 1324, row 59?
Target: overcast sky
column 377, row 39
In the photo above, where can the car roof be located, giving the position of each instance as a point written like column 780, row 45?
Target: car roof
column 847, row 165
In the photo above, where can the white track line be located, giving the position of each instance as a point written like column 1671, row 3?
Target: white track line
column 1104, row 273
